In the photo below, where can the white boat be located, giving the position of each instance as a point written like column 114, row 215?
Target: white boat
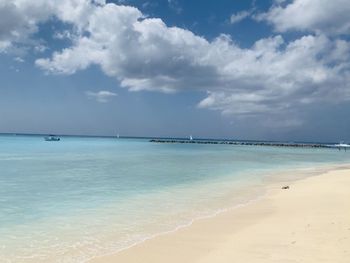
column 343, row 145
column 52, row 138
column 340, row 145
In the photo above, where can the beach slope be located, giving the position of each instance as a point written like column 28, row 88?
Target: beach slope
column 309, row 222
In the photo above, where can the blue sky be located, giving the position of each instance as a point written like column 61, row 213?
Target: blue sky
column 236, row 69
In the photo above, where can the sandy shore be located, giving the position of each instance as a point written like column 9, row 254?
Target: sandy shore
column 309, row 222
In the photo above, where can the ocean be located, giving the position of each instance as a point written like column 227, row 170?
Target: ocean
column 82, row 197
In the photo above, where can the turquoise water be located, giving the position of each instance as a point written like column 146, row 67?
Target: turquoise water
column 71, row 200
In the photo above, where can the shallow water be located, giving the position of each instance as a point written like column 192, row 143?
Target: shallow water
column 71, row 200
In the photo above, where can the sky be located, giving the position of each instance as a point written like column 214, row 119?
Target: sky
column 261, row 69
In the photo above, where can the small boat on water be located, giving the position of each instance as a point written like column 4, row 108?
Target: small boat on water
column 340, row 145
column 52, row 138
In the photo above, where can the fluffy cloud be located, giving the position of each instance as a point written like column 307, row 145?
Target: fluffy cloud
column 235, row 18
column 17, row 23
column 272, row 76
column 322, row 16
column 102, row 96
column 19, row 19
column 145, row 54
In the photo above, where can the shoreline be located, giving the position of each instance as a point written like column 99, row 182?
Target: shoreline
column 189, row 242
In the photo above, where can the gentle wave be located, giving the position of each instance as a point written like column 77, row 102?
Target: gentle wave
column 86, row 197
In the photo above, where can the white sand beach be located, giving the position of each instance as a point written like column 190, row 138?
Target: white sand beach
column 309, row 222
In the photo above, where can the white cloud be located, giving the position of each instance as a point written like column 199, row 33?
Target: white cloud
column 18, row 59
column 65, row 34
column 321, row 16
column 102, row 96
column 16, row 23
column 145, row 54
column 235, row 18
column 19, row 19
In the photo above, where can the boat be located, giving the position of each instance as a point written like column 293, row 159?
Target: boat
column 340, row 145
column 52, row 138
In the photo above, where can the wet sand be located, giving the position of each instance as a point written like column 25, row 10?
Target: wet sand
column 309, row 222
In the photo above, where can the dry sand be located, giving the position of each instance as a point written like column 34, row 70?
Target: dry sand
column 310, row 222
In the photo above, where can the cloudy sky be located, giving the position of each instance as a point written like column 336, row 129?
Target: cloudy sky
column 274, row 69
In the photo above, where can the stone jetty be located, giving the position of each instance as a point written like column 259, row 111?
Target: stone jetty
column 273, row 144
